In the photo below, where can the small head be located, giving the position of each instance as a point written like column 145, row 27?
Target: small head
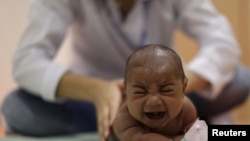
column 154, row 84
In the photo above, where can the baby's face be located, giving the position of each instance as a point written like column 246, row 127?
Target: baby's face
column 154, row 96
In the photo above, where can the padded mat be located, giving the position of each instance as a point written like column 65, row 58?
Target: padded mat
column 198, row 132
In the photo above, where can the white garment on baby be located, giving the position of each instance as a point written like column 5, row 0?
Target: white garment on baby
column 198, row 132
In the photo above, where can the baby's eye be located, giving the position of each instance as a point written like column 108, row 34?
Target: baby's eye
column 138, row 89
column 168, row 91
column 140, row 92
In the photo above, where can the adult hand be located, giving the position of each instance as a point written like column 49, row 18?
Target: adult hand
column 107, row 102
column 105, row 95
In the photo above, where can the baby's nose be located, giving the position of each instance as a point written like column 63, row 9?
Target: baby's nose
column 154, row 101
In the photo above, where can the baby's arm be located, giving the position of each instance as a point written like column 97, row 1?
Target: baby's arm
column 189, row 114
column 127, row 128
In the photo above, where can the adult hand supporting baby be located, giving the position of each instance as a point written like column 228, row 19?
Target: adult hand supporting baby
column 105, row 95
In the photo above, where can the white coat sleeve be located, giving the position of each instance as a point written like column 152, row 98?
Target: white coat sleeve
column 218, row 52
column 33, row 66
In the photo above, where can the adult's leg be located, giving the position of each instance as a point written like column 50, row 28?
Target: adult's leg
column 29, row 115
column 234, row 94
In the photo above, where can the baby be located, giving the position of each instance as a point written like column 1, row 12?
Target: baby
column 155, row 106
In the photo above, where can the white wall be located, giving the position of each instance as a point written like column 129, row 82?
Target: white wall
column 13, row 19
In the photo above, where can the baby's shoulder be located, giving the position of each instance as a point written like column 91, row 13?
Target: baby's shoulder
column 188, row 105
column 189, row 113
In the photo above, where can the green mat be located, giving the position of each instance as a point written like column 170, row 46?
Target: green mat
column 78, row 137
column 198, row 132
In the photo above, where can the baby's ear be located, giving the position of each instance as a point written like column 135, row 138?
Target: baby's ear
column 121, row 85
column 123, row 89
column 185, row 82
column 124, row 93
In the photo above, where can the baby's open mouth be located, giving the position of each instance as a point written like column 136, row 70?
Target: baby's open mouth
column 155, row 115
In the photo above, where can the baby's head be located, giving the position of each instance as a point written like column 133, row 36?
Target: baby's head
column 154, row 56
column 154, row 85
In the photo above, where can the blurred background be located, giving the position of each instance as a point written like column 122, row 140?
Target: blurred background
column 14, row 17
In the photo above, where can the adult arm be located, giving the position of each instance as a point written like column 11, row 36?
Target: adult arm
column 33, row 66
column 35, row 70
column 215, row 63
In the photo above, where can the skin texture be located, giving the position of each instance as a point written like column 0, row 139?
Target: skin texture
column 155, row 107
